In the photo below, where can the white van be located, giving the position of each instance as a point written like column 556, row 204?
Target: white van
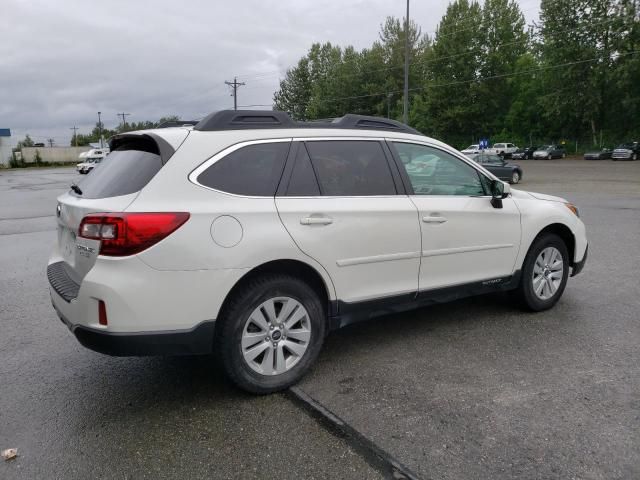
column 93, row 156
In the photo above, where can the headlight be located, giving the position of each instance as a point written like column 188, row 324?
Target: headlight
column 573, row 208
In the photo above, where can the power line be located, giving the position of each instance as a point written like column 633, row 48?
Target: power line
column 463, row 20
column 235, row 84
column 405, row 98
column 482, row 79
column 75, row 136
column 124, row 121
column 475, row 50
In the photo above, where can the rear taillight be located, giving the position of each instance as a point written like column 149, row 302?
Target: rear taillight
column 122, row 234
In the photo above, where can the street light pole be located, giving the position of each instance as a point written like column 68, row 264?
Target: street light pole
column 100, row 128
column 405, row 113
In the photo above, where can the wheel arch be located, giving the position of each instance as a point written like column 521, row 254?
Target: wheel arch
column 564, row 233
column 296, row 268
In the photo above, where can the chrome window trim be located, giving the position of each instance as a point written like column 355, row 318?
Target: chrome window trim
column 195, row 173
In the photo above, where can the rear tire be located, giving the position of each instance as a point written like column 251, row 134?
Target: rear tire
column 544, row 273
column 249, row 322
column 515, row 178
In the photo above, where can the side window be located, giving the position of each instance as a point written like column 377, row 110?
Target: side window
column 351, row 168
column 253, row 170
column 303, row 181
column 435, row 172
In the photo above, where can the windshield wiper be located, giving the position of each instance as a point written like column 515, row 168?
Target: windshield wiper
column 76, row 189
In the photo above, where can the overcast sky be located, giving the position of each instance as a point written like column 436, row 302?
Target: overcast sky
column 63, row 61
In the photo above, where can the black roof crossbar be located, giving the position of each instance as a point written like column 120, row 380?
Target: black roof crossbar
column 244, row 119
column 252, row 119
column 177, row 123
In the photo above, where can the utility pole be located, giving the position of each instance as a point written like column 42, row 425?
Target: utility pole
column 75, row 136
column 50, row 142
column 124, row 120
column 235, row 84
column 100, row 128
column 405, row 113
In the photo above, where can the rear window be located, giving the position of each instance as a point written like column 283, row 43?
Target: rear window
column 125, row 170
column 254, row 170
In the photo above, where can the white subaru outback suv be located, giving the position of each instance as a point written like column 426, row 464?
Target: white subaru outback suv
column 251, row 236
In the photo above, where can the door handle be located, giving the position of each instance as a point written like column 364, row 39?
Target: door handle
column 316, row 221
column 434, row 219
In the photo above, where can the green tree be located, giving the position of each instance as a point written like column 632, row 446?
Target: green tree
column 623, row 114
column 27, row 142
column 450, row 106
column 523, row 121
column 503, row 41
column 295, row 91
column 330, row 81
column 575, row 44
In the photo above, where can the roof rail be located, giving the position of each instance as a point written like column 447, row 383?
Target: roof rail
column 244, row 119
column 252, row 119
column 376, row 123
column 178, row 123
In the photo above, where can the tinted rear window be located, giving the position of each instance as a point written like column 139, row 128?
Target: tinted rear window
column 303, row 181
column 125, row 170
column 254, row 170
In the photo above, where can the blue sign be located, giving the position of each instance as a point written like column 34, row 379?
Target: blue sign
column 484, row 143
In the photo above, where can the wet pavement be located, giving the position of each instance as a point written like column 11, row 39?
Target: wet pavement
column 471, row 389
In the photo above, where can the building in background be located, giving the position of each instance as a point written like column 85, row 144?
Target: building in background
column 5, row 147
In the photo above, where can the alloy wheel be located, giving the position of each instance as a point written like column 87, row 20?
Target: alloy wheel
column 276, row 336
column 547, row 273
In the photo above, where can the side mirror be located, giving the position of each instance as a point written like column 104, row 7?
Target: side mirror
column 499, row 190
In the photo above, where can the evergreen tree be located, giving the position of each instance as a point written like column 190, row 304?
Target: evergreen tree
column 451, row 104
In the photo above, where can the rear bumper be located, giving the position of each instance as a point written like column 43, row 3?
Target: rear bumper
column 578, row 266
column 149, row 311
column 196, row 341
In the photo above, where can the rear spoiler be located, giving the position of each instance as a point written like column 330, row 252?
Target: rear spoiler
column 162, row 147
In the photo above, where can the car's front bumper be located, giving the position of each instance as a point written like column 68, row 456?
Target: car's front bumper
column 578, row 266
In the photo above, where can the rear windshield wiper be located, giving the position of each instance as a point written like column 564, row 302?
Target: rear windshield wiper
column 76, row 189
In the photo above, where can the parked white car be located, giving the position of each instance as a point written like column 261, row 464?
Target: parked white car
column 505, row 150
column 253, row 236
column 91, row 158
column 471, row 149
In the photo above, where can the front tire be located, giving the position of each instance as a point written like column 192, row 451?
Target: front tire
column 544, row 273
column 634, row 157
column 270, row 333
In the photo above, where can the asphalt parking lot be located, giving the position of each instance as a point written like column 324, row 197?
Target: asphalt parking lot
column 471, row 389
